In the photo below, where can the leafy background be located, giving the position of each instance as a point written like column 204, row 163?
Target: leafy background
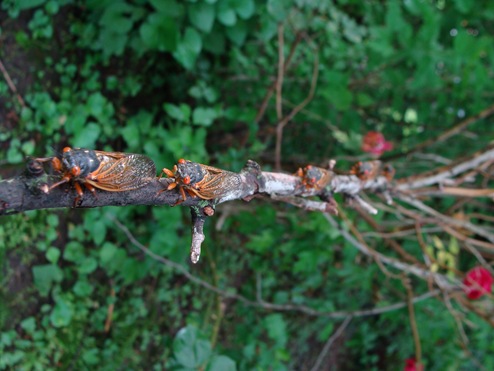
column 176, row 79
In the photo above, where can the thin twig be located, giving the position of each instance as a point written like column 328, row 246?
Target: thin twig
column 261, row 303
column 446, row 219
column 456, row 129
column 281, row 69
column 272, row 87
column 11, row 85
column 442, row 174
column 330, row 342
column 297, row 109
column 440, row 280
column 413, row 322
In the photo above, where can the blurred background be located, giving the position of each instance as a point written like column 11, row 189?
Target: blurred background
column 220, row 82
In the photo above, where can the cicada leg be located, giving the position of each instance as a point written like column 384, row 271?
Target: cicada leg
column 56, row 164
column 91, row 188
column 65, row 179
column 169, row 173
column 182, row 193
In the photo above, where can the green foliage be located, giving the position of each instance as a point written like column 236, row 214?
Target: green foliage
column 175, row 79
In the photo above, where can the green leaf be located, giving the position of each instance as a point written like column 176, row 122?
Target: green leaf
column 221, row 363
column 131, row 135
column 214, row 42
column 52, row 255
column 225, row 14
column 201, row 15
column 171, row 8
column 28, row 4
column 116, row 17
column 237, row 33
column 107, row 252
column 180, row 113
column 74, row 252
column 245, row 8
column 96, row 104
column 204, row 116
column 464, row 6
column 160, row 32
column 62, row 313
column 83, row 288
column 97, row 230
column 28, row 147
column 14, row 154
column 88, row 265
column 364, row 100
column 44, row 277
column 278, row 9
column 29, row 324
column 276, row 328
column 189, row 49
column 52, row 7
column 88, row 136
column 189, row 350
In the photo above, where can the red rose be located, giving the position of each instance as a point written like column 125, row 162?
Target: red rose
column 375, row 143
column 478, row 282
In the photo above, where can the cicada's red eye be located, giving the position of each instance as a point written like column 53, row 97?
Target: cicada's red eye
column 186, row 180
column 67, row 149
column 76, row 170
column 181, row 161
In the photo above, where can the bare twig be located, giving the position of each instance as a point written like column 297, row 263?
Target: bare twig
column 441, row 174
column 281, row 70
column 413, row 322
column 331, row 340
column 440, row 280
column 272, row 88
column 281, row 124
column 11, row 84
column 260, row 303
column 446, row 219
column 448, row 133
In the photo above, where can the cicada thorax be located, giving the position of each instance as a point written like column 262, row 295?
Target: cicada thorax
column 370, row 170
column 201, row 181
column 366, row 170
column 314, row 178
column 110, row 171
column 388, row 171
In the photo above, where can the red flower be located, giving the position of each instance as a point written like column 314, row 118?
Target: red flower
column 412, row 365
column 375, row 143
column 478, row 282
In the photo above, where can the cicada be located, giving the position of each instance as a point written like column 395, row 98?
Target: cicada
column 198, row 180
column 369, row 170
column 314, row 178
column 110, row 171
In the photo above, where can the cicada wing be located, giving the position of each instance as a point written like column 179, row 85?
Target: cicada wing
column 102, row 155
column 217, row 183
column 123, row 172
column 213, row 170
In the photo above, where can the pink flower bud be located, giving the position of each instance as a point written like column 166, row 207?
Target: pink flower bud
column 412, row 365
column 375, row 143
column 478, row 282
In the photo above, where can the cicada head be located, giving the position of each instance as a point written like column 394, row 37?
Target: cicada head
column 189, row 173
